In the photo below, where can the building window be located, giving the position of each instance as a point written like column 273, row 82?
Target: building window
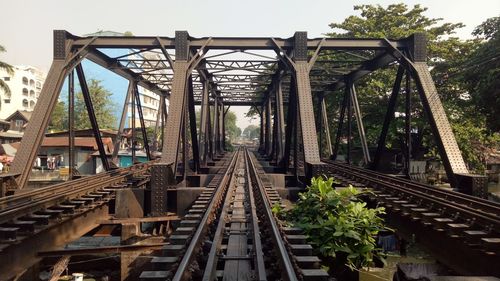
column 25, row 92
column 32, row 83
column 38, row 85
column 25, row 81
column 32, row 104
column 19, row 124
column 6, row 100
column 25, row 103
column 32, row 93
column 6, row 79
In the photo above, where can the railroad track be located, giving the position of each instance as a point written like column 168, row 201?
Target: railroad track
column 473, row 221
column 230, row 233
column 30, row 213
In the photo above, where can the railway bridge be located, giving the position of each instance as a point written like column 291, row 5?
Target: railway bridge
column 214, row 205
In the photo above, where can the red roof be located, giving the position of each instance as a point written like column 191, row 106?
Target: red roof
column 88, row 142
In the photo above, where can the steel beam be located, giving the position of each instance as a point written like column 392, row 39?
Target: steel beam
column 71, row 124
column 389, row 115
column 408, row 122
column 246, row 43
column 359, row 124
column 143, row 125
column 304, row 99
column 121, row 126
column 192, row 125
column 204, row 124
column 35, row 130
column 268, row 136
column 280, row 122
column 91, row 114
column 324, row 116
column 178, row 102
column 340, row 125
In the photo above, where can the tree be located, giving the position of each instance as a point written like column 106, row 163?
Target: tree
column 7, row 68
column 251, row 132
column 103, row 107
column 482, row 73
column 232, row 131
column 59, row 118
column 445, row 56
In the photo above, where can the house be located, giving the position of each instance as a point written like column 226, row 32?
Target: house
column 17, row 122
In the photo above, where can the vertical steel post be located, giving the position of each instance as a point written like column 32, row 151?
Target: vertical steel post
column 349, row 123
column 408, row 122
column 280, row 130
column 389, row 115
column 71, row 123
column 133, row 140
column 327, row 127
column 178, row 102
column 203, row 123
column 320, row 122
column 262, row 129
column 157, row 124
column 225, row 111
column 216, row 125
column 92, row 116
column 359, row 123
column 340, row 126
column 268, row 127
column 192, row 124
column 121, row 126
column 143, row 125
column 304, row 99
column 291, row 125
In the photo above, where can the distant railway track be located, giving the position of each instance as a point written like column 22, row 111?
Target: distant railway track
column 230, row 233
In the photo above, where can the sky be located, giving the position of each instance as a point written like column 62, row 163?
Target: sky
column 26, row 25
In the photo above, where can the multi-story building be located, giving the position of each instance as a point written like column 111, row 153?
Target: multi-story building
column 149, row 103
column 25, row 86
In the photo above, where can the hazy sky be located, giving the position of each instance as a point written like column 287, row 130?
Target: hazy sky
column 26, row 25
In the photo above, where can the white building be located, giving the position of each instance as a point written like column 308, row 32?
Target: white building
column 149, row 103
column 25, row 86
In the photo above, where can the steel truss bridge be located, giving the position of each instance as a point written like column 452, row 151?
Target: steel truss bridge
column 224, row 197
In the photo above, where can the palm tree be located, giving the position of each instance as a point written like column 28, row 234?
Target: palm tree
column 9, row 69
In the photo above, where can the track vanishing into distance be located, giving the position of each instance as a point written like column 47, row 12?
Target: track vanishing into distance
column 230, row 233
column 470, row 223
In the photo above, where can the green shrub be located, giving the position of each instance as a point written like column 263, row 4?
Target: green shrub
column 337, row 223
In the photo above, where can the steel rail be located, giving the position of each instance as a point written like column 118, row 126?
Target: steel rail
column 53, row 195
column 182, row 272
column 477, row 203
column 288, row 272
column 257, row 243
column 461, row 198
column 54, row 189
column 487, row 219
column 210, row 268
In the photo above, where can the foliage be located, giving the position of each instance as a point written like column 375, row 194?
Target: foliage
column 482, row 73
column 251, row 132
column 232, row 131
column 103, row 107
column 7, row 68
column 59, row 118
column 337, row 223
column 462, row 95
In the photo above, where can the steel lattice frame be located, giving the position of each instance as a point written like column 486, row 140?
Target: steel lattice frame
column 218, row 72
